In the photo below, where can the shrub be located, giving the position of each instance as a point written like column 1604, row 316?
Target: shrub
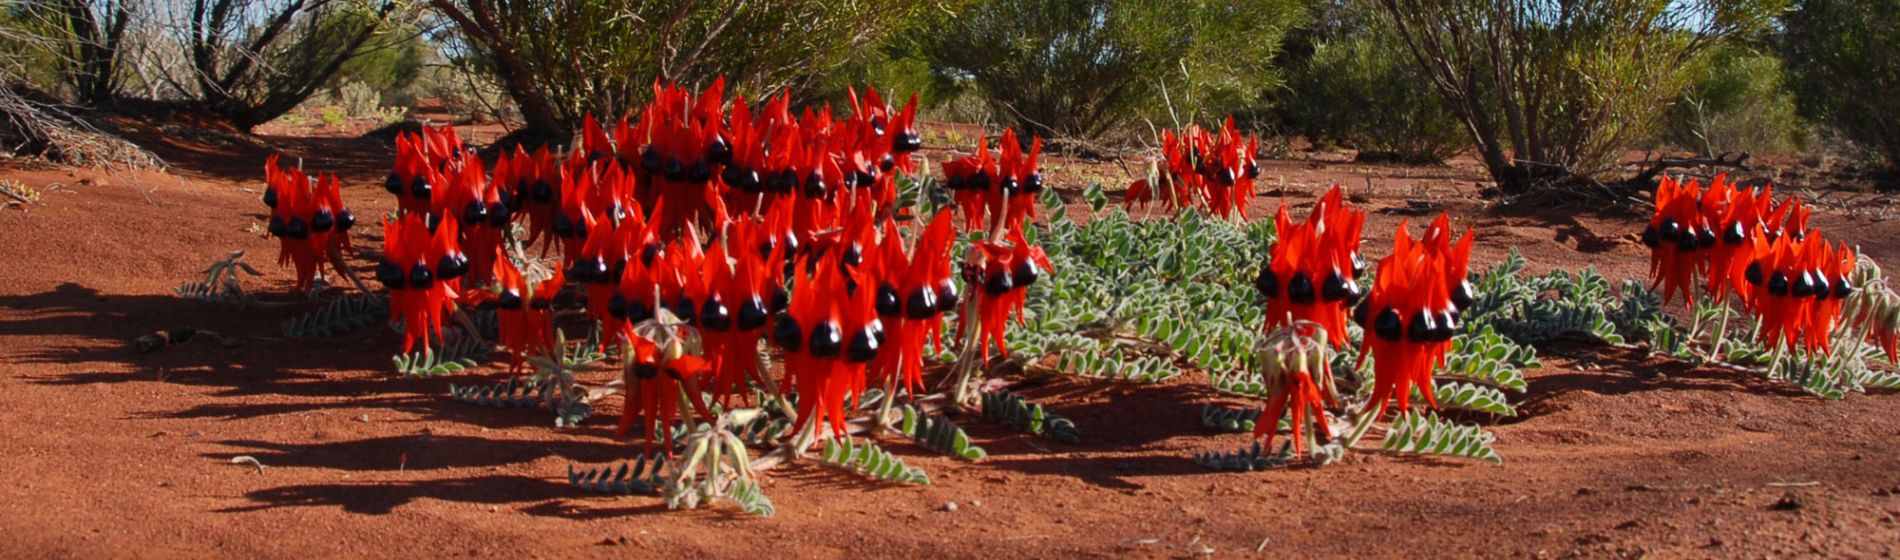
column 332, row 116
column 1737, row 102
column 1841, row 55
column 252, row 61
column 1084, row 69
column 1550, row 91
column 559, row 60
column 1366, row 91
column 358, row 99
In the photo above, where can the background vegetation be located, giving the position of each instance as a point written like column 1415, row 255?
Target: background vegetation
column 1543, row 93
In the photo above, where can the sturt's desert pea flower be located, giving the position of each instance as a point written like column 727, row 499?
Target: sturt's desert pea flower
column 1214, row 171
column 828, row 333
column 989, row 188
column 907, row 300
column 1312, row 272
column 523, row 310
column 419, row 269
column 1410, row 316
column 1000, row 274
column 656, row 378
column 308, row 221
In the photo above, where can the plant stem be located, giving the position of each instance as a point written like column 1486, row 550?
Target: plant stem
column 1721, row 332
column 880, row 422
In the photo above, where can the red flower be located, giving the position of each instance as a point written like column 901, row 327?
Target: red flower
column 1312, row 274
column 908, row 300
column 418, row 268
column 1676, row 235
column 1798, row 288
column 1214, row 172
column 525, row 312
column 829, row 333
column 1004, row 271
column 1003, row 188
column 307, row 222
column 1411, row 314
column 653, row 385
column 741, row 286
column 1736, row 217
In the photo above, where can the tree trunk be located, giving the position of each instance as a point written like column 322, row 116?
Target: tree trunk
column 480, row 24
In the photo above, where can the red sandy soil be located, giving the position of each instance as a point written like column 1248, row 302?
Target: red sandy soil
column 112, row 453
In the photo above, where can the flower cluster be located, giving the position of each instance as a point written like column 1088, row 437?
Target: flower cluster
column 308, row 221
column 693, row 213
column 991, row 188
column 1412, row 312
column 524, row 310
column 1312, row 274
column 996, row 194
column 420, row 265
column 1214, row 171
column 1762, row 253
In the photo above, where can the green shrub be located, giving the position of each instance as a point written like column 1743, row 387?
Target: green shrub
column 1365, row 90
column 332, row 116
column 1842, row 59
column 1086, row 68
column 1551, row 92
column 559, row 60
column 358, row 99
column 1738, row 102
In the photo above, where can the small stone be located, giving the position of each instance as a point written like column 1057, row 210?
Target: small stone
column 976, row 503
column 950, row 506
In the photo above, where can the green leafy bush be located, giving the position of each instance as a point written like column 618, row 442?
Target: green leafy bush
column 560, row 60
column 1550, row 92
column 1084, row 69
column 1738, row 102
column 1840, row 56
column 1366, row 90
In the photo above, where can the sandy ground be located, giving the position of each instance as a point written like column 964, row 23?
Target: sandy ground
column 108, row 453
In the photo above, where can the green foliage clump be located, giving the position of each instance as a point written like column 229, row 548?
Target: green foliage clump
column 937, row 433
column 1135, row 300
column 1738, row 102
column 1367, row 91
column 1085, row 69
column 1840, row 56
column 1550, row 92
column 560, row 60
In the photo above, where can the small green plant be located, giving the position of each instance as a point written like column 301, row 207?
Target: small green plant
column 1426, row 433
column 871, row 461
column 939, row 434
column 332, row 116
column 457, row 351
column 641, row 476
column 1251, row 458
column 1011, row 410
column 220, row 283
column 341, row 315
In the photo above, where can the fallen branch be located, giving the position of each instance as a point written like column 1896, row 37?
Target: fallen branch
column 1654, row 167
